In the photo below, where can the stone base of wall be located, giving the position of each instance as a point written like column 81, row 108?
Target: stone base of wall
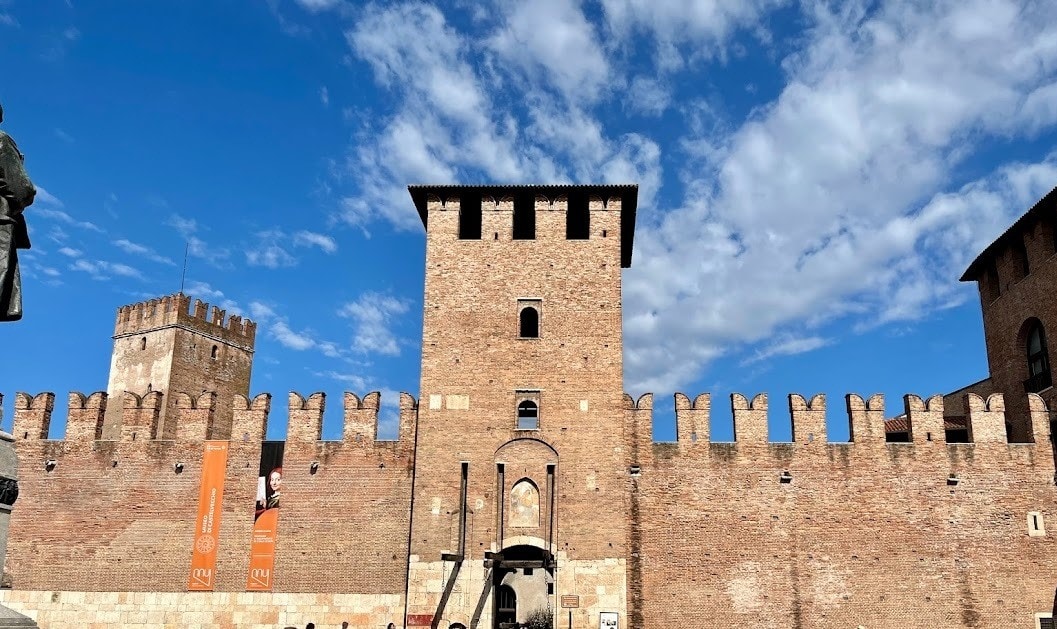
column 204, row 609
column 601, row 586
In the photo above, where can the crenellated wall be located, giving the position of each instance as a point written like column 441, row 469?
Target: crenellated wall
column 804, row 533
column 812, row 533
column 117, row 515
column 179, row 309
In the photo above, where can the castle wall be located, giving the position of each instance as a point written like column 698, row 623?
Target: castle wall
column 865, row 533
column 226, row 610
column 115, row 516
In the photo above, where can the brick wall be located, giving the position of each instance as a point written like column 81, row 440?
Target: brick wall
column 171, row 345
column 864, row 534
column 473, row 364
column 1022, row 298
column 115, row 515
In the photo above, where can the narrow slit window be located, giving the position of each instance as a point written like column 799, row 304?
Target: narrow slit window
column 1053, row 230
column 143, row 343
column 994, row 288
column 470, row 217
column 1020, row 260
column 213, row 353
column 1036, row 527
column 1038, row 360
column 578, row 217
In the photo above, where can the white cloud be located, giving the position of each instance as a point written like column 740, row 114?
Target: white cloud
column 453, row 121
column 299, row 341
column 62, row 135
column 786, row 346
column 819, row 205
column 278, row 328
column 196, row 247
column 553, row 43
column 647, row 96
column 103, row 270
column 316, row 6
column 324, row 96
column 260, row 311
column 267, row 251
column 45, row 198
column 185, row 226
column 312, row 239
column 373, row 315
column 70, row 252
column 142, row 251
column 215, row 256
column 703, row 25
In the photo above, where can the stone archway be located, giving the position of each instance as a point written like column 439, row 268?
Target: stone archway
column 524, row 583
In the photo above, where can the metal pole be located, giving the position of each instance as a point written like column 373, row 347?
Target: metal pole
column 570, row 619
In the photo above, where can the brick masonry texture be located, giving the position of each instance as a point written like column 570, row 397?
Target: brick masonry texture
column 1021, row 298
column 690, row 533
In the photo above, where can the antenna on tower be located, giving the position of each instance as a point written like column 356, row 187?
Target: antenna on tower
column 183, row 274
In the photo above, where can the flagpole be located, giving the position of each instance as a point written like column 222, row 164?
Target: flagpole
column 183, row 274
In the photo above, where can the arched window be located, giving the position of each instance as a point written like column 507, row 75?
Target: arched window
column 1038, row 360
column 213, row 353
column 505, row 605
column 529, row 319
column 528, row 416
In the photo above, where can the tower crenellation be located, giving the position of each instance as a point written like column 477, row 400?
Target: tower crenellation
column 178, row 344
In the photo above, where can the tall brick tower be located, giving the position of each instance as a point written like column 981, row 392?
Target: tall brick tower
column 521, row 474
column 162, row 346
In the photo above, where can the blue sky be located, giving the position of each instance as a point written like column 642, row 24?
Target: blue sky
column 814, row 177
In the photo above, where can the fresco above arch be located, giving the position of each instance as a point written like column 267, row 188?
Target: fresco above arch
column 524, row 505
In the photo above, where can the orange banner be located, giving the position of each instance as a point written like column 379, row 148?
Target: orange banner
column 262, row 552
column 266, row 517
column 207, row 526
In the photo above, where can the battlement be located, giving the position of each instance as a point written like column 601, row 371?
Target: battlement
column 986, row 420
column 576, row 212
column 178, row 309
column 195, row 418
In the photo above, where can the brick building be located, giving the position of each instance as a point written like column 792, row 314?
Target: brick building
column 1016, row 276
column 523, row 478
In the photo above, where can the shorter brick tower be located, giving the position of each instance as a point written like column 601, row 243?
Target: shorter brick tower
column 161, row 345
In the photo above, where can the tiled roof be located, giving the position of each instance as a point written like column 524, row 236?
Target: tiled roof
column 900, row 423
column 1048, row 202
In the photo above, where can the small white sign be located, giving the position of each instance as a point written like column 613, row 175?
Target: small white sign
column 608, row 620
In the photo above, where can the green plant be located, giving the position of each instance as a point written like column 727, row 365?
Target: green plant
column 540, row 619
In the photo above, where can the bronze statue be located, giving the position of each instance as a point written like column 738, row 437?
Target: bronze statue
column 16, row 194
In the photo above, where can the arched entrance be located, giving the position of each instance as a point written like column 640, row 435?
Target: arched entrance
column 505, row 607
column 524, row 585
